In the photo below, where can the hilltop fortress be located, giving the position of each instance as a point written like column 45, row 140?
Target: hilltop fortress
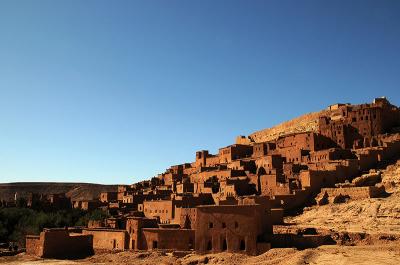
column 231, row 201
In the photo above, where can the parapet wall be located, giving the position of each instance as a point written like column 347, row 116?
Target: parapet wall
column 355, row 192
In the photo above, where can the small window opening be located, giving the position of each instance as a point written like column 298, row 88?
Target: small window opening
column 209, row 245
column 224, row 245
column 242, row 245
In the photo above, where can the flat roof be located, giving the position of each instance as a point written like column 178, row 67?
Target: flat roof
column 228, row 205
column 105, row 229
column 167, row 229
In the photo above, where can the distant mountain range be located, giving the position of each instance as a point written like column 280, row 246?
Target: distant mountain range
column 76, row 191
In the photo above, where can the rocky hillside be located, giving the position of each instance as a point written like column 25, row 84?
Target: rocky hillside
column 83, row 191
column 304, row 123
column 373, row 216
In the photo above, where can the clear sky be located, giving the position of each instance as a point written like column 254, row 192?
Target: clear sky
column 117, row 91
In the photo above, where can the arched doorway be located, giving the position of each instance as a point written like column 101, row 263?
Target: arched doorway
column 242, row 245
column 209, row 245
column 188, row 223
column 224, row 245
column 260, row 171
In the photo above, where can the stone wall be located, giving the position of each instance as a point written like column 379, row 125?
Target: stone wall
column 355, row 192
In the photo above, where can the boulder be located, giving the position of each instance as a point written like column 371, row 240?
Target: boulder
column 322, row 199
column 341, row 198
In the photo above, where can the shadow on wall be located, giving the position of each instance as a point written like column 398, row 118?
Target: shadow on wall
column 300, row 241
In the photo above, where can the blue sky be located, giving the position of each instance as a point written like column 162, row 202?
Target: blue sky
column 116, row 91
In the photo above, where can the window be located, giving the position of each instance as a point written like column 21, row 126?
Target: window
column 190, row 243
column 354, row 119
column 224, row 245
column 155, row 244
column 209, row 245
column 236, row 224
column 242, row 245
column 223, row 225
column 210, row 225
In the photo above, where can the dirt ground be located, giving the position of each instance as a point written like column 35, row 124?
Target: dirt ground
column 335, row 254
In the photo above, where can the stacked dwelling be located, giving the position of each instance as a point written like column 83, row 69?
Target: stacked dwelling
column 229, row 201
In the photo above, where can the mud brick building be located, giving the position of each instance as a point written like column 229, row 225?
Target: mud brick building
column 59, row 243
column 358, row 126
column 229, row 201
column 109, row 196
column 226, row 228
column 48, row 201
